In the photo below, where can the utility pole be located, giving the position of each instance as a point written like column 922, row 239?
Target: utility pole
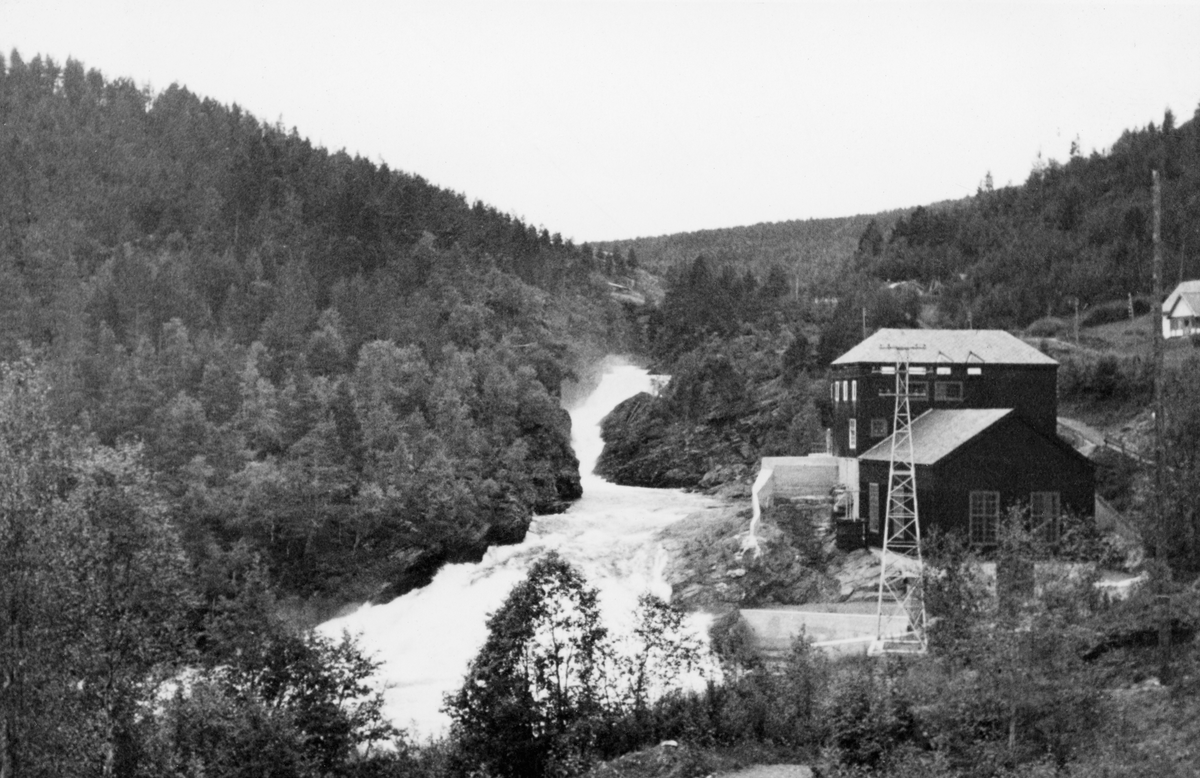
column 1160, row 519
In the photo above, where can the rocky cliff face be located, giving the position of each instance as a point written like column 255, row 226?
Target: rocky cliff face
column 645, row 446
column 561, row 484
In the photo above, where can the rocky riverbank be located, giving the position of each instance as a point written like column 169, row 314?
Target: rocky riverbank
column 709, row 570
column 797, row 564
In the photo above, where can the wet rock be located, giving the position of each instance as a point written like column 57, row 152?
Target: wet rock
column 734, row 490
column 677, row 476
column 724, row 474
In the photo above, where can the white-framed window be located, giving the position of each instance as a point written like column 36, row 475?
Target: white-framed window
column 845, row 390
column 879, row 428
column 984, row 518
column 1045, row 511
column 852, row 429
column 943, row 370
column 873, row 507
column 948, row 390
column 974, row 371
column 888, row 370
column 854, row 391
column 916, row 370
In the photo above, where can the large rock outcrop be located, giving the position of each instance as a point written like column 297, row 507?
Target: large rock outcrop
column 707, row 429
column 708, row 570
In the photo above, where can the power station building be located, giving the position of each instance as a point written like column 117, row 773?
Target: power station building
column 984, row 435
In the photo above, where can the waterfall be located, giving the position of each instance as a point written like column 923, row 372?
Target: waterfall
column 426, row 638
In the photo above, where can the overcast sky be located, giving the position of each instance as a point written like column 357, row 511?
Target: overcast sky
column 609, row 120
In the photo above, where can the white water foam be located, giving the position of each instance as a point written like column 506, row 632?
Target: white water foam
column 426, row 639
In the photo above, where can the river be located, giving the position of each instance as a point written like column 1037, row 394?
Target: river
column 426, row 638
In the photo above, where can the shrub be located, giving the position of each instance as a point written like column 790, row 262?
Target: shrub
column 1012, row 688
column 1114, row 310
column 953, row 591
column 1107, row 377
column 1106, row 313
column 733, row 644
column 1047, row 327
column 868, row 715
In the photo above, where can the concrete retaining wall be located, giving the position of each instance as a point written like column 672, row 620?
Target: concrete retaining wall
column 774, row 630
column 813, row 475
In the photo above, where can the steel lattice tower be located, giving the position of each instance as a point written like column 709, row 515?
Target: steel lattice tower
column 900, row 596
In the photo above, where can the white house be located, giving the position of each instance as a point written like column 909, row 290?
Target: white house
column 1181, row 311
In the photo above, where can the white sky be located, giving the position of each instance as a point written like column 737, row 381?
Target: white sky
column 606, row 120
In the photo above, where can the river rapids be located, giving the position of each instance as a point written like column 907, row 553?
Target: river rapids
column 426, row 638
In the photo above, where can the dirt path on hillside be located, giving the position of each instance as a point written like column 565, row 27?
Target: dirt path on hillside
column 772, row 771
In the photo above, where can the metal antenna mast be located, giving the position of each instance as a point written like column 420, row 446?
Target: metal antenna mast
column 900, row 596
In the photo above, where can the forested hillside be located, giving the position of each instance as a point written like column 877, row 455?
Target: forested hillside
column 812, row 252
column 332, row 366
column 1075, row 231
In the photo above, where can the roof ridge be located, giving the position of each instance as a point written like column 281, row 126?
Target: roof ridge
column 994, row 346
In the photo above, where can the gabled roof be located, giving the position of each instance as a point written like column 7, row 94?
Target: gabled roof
column 995, row 347
column 938, row 432
column 1189, row 292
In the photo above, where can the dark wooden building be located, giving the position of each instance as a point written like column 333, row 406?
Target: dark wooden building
column 984, row 407
column 971, row 466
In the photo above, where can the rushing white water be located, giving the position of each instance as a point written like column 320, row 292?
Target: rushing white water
column 426, row 638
